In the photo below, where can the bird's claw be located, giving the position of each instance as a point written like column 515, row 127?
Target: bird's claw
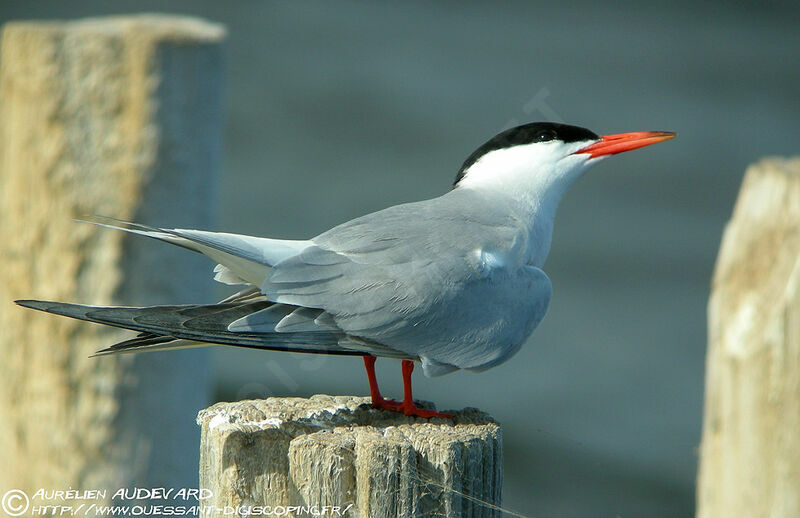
column 407, row 408
column 414, row 410
column 387, row 404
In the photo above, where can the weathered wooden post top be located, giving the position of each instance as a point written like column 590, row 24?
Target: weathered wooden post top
column 339, row 455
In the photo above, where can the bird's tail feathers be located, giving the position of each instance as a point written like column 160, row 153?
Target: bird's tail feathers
column 147, row 342
column 242, row 259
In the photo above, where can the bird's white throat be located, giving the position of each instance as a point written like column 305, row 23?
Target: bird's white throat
column 533, row 178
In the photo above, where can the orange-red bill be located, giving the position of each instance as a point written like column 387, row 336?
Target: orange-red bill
column 621, row 142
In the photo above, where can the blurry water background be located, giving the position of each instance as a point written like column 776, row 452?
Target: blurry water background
column 335, row 109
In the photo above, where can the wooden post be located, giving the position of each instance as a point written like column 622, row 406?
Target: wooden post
column 118, row 117
column 750, row 455
column 340, row 452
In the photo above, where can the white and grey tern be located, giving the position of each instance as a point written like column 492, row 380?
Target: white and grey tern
column 454, row 282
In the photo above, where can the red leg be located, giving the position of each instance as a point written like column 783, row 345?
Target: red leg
column 374, row 391
column 408, row 406
column 408, row 368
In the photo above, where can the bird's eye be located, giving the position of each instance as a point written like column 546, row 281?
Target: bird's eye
column 545, row 136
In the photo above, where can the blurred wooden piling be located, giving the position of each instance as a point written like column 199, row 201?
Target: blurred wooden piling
column 750, row 455
column 340, row 452
column 119, row 117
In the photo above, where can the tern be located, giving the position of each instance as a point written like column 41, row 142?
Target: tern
column 453, row 282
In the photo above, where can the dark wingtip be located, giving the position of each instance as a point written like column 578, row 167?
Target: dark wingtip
column 41, row 305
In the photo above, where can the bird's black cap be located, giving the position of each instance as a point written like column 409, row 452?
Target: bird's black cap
column 527, row 134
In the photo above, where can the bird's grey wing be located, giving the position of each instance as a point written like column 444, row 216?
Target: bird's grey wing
column 423, row 278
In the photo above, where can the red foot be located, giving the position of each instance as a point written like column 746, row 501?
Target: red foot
column 407, row 406
column 388, row 404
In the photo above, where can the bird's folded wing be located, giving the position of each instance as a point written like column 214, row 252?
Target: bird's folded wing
column 284, row 328
column 408, row 277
